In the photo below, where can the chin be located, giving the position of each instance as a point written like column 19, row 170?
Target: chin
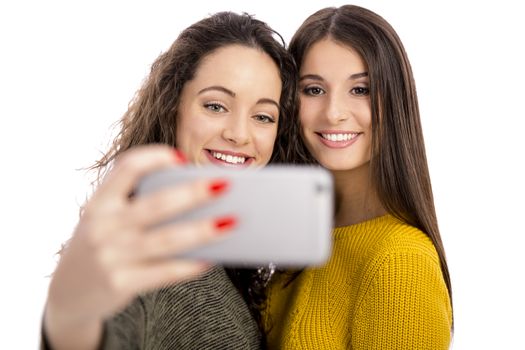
column 343, row 166
column 332, row 166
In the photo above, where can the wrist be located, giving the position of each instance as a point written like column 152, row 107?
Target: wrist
column 61, row 332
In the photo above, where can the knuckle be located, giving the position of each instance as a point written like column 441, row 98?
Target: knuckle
column 92, row 238
column 103, row 257
column 177, row 270
column 192, row 194
column 186, row 270
column 156, row 200
column 175, row 239
column 197, row 232
column 185, row 194
column 200, row 189
column 94, row 234
column 205, row 229
column 163, row 201
column 126, row 163
column 115, row 283
column 180, row 237
column 193, row 233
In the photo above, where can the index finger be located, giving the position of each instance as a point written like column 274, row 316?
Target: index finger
column 132, row 165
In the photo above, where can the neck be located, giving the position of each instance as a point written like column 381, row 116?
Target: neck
column 356, row 198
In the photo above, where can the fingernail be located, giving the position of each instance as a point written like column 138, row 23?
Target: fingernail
column 179, row 156
column 225, row 223
column 218, row 186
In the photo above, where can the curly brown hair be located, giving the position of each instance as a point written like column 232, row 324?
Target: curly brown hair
column 152, row 114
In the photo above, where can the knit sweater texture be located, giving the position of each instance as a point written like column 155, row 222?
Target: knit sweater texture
column 381, row 289
column 206, row 313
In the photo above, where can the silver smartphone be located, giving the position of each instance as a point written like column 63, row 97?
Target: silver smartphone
column 284, row 214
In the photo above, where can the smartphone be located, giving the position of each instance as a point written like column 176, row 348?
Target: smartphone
column 284, row 212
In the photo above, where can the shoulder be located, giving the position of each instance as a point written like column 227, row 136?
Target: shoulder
column 404, row 238
column 378, row 238
column 207, row 312
column 213, row 290
column 401, row 249
column 403, row 279
column 401, row 257
column 389, row 236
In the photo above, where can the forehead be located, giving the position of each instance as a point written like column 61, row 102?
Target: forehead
column 239, row 68
column 329, row 55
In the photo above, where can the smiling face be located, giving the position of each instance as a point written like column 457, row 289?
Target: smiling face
column 335, row 109
column 229, row 112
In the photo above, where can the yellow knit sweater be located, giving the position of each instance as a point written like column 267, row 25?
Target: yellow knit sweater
column 381, row 289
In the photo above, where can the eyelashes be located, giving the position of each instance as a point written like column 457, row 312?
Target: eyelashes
column 263, row 118
column 318, row 91
column 218, row 108
column 313, row 91
column 360, row 91
column 215, row 107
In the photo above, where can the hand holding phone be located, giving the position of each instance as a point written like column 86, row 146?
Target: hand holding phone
column 284, row 214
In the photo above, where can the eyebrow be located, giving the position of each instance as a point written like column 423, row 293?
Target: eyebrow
column 218, row 88
column 319, row 78
column 268, row 101
column 232, row 94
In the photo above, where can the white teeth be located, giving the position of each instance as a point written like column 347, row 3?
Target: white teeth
column 338, row 137
column 228, row 158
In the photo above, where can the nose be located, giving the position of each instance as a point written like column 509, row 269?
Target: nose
column 337, row 109
column 237, row 131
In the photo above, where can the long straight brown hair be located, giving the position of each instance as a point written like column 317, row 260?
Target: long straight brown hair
column 399, row 167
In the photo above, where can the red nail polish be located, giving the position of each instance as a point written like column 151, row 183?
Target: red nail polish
column 218, row 186
column 180, row 157
column 225, row 223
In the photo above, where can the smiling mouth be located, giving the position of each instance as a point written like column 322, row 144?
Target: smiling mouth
column 339, row 137
column 228, row 158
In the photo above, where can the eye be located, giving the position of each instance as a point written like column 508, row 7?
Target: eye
column 263, row 118
column 215, row 107
column 360, row 91
column 313, row 91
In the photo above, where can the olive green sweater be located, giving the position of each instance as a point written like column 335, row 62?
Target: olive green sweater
column 207, row 313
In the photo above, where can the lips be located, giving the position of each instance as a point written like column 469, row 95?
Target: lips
column 228, row 158
column 338, row 139
column 339, row 136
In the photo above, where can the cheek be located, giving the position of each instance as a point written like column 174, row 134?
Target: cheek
column 365, row 120
column 364, row 116
column 191, row 135
column 265, row 142
column 182, row 134
column 307, row 113
column 309, row 116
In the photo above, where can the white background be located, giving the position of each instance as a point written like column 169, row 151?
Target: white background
column 68, row 71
